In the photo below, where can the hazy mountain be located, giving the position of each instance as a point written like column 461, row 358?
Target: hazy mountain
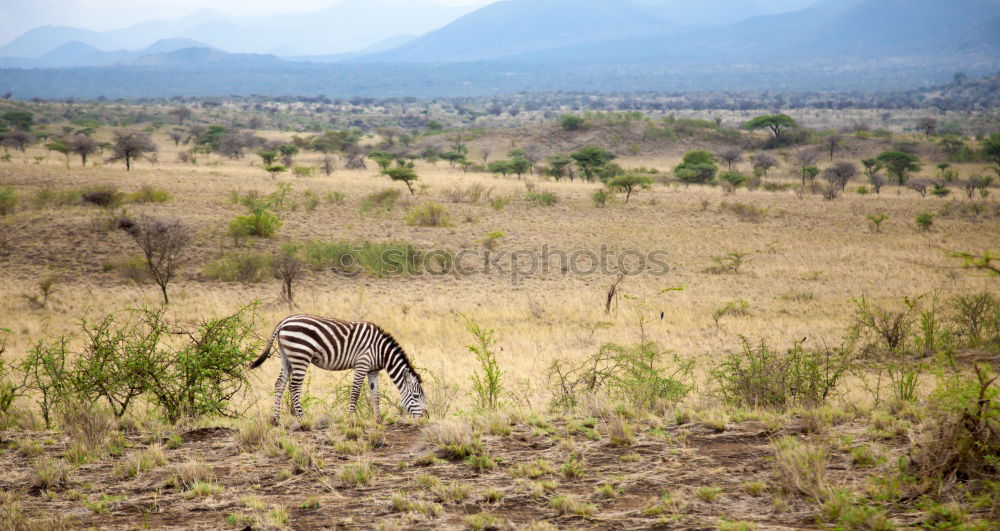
column 589, row 33
column 347, row 25
column 78, row 54
column 40, row 41
column 187, row 57
column 513, row 27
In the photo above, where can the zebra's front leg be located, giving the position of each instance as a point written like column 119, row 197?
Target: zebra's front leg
column 295, row 387
column 359, row 378
column 373, row 394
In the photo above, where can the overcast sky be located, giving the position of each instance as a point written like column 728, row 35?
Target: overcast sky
column 18, row 16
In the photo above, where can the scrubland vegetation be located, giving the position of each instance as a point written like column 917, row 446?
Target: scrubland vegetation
column 821, row 349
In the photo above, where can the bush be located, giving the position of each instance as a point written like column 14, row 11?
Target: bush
column 542, row 198
column 8, row 200
column 382, row 201
column 601, row 197
column 636, row 374
column 760, row 377
column 571, row 123
column 925, row 221
column 261, row 222
column 373, row 258
column 241, row 267
column 801, row 467
column 103, row 196
column 429, row 214
column 961, row 441
column 487, row 385
column 148, row 194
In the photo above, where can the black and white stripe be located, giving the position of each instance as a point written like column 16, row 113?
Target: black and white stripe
column 337, row 345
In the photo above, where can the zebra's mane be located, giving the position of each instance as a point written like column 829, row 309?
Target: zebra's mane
column 406, row 359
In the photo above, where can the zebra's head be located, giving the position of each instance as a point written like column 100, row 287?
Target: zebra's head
column 413, row 394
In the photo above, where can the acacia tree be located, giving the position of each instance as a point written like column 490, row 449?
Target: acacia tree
column 899, row 164
column 84, row 146
column 163, row 244
column 730, row 156
column 806, row 159
column 927, row 125
column 698, row 167
column 630, row 184
column 591, row 158
column 840, row 174
column 130, row 145
column 764, row 161
column 60, row 146
column 403, row 174
column 776, row 123
column 558, row 165
column 181, row 113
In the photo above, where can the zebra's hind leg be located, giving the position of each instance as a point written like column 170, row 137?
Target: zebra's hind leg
column 279, row 389
column 295, row 388
column 373, row 394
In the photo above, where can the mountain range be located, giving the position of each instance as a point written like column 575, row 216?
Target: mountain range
column 520, row 44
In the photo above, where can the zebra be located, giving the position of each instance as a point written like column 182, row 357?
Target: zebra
column 337, row 345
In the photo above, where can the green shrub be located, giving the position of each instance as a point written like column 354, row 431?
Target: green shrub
column 925, row 221
column 383, row 201
column 601, row 197
column 761, row 377
column 8, row 200
column 364, row 257
column 487, row 384
column 149, row 194
column 262, row 223
column 542, row 198
column 304, row 171
column 429, row 214
column 637, row 374
column 241, row 267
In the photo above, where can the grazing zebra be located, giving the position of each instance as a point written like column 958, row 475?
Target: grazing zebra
column 337, row 345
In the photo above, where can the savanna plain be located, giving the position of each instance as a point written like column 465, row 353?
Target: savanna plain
column 792, row 337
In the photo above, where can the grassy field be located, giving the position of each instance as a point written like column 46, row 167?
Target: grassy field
column 700, row 464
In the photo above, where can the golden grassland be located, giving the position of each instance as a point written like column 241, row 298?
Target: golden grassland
column 808, row 259
column 698, row 465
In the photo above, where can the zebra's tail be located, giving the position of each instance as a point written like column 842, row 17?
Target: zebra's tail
column 267, row 350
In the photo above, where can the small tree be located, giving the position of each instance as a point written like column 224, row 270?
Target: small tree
column 776, row 123
column 833, row 142
column 877, row 220
column 735, row 179
column 991, row 151
column 730, row 156
column 840, row 174
column 558, row 165
column 484, row 153
column 288, row 268
column 899, row 164
column 877, row 182
column 163, row 244
column 925, row 221
column 404, row 174
column 181, row 113
column 268, row 157
column 83, row 146
column 698, row 167
column 288, row 153
column 590, row 158
column 130, row 145
column 503, row 167
column 630, row 184
column 764, row 161
column 274, row 170
column 570, row 122
column 520, row 165
column 806, row 159
column 927, row 125
column 60, row 146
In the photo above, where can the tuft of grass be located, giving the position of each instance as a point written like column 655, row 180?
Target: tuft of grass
column 184, row 475
column 492, row 495
column 755, row 488
column 708, row 494
column 139, row 461
column 801, row 467
column 542, row 198
column 533, row 470
column 245, row 267
column 573, row 468
column 607, row 491
column 452, row 492
column 620, row 431
column 402, row 503
column 481, row 463
column 357, row 474
column 27, row 448
column 452, row 439
column 312, row 502
column 202, row 489
column 483, row 521
column 50, row 474
column 257, row 434
column 571, row 505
